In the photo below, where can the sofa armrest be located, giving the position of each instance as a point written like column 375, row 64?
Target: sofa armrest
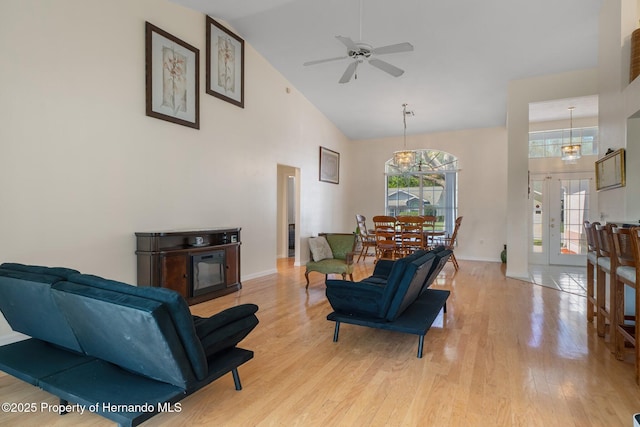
column 337, row 284
column 225, row 329
column 358, row 298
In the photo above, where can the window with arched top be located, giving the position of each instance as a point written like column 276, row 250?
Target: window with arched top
column 429, row 187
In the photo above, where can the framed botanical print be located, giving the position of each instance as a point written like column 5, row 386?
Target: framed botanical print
column 225, row 64
column 329, row 166
column 172, row 78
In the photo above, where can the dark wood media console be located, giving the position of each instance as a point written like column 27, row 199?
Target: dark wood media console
column 198, row 264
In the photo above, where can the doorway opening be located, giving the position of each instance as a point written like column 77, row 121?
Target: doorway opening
column 288, row 216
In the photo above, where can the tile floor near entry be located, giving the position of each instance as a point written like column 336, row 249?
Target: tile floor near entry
column 564, row 278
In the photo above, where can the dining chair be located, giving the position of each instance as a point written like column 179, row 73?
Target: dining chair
column 386, row 237
column 592, row 262
column 411, row 234
column 628, row 264
column 607, row 264
column 367, row 239
column 450, row 242
column 430, row 229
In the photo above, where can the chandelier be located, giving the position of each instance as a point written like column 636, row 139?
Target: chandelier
column 571, row 151
column 404, row 159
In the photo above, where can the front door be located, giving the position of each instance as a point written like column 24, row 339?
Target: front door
column 560, row 204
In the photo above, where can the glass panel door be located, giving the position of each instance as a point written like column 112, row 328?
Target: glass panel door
column 559, row 205
column 539, row 233
column 569, row 208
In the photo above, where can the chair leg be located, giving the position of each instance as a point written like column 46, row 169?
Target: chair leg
column 351, row 276
column 617, row 339
column 600, row 301
column 361, row 252
column 306, row 275
column 454, row 261
column 590, row 295
column 613, row 321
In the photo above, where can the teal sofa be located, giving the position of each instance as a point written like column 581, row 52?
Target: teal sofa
column 396, row 297
column 124, row 352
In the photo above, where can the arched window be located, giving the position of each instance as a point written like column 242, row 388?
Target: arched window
column 430, row 187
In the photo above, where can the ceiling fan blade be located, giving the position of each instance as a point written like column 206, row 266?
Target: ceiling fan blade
column 385, row 66
column 393, row 48
column 320, row 61
column 351, row 69
column 350, row 44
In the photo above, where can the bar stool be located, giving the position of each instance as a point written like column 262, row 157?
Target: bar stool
column 592, row 262
column 625, row 274
column 606, row 266
column 627, row 247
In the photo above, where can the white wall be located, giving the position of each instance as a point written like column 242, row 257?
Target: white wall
column 82, row 168
column 619, row 105
column 520, row 94
column 481, row 184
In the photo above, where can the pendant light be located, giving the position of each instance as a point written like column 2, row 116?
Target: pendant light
column 404, row 159
column 571, row 151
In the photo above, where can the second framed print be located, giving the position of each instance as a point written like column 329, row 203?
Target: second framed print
column 225, row 64
column 329, row 166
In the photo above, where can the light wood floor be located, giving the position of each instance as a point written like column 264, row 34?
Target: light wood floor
column 507, row 353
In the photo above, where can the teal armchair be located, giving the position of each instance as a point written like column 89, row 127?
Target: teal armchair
column 332, row 253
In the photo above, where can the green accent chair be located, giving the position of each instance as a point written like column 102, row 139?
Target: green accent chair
column 342, row 250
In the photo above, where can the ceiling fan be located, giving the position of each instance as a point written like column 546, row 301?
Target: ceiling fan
column 360, row 52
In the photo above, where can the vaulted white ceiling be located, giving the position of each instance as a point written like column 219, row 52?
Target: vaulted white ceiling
column 465, row 53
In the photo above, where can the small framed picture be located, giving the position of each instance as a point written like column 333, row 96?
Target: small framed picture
column 225, row 64
column 172, row 78
column 329, row 166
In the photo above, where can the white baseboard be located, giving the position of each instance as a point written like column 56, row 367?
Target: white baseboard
column 12, row 337
column 259, row 274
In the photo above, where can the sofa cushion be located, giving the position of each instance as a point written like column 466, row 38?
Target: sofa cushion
column 330, row 266
column 442, row 256
column 320, row 248
column 133, row 332
column 176, row 305
column 410, row 285
column 29, row 308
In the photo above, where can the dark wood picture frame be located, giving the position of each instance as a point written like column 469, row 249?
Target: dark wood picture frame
column 172, row 78
column 610, row 171
column 225, row 64
column 329, row 168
